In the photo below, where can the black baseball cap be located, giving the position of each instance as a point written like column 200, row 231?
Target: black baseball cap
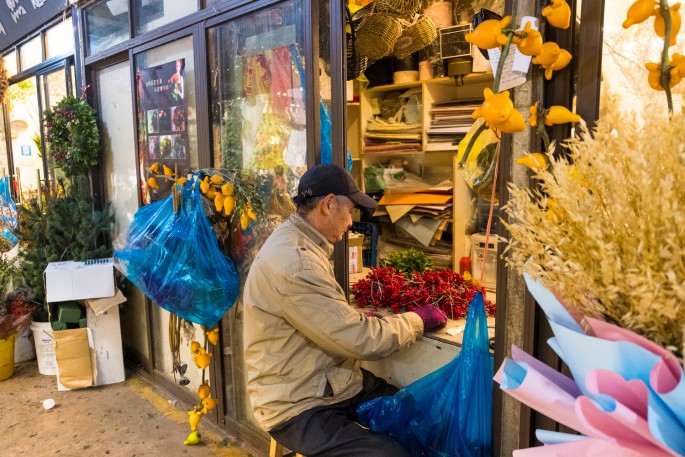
column 325, row 179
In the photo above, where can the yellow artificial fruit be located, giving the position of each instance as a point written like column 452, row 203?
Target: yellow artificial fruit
column 168, row 171
column 660, row 26
column 154, row 168
column 531, row 44
column 227, row 189
column 489, row 34
column 195, row 347
column 229, row 205
column 533, row 119
column 499, row 113
column 558, row 14
column 194, row 418
column 219, row 202
column 678, row 61
column 216, row 179
column 193, row 439
column 558, row 114
column 639, row 12
column 202, row 360
column 204, row 390
column 152, row 182
column 204, row 185
column 213, row 335
column 654, row 76
column 247, row 215
column 208, row 404
column 182, row 180
column 552, row 58
column 536, row 161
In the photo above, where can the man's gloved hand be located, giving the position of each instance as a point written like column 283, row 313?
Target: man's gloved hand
column 433, row 318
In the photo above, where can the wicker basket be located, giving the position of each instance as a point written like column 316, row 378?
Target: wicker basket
column 377, row 35
column 415, row 37
column 403, row 8
column 356, row 62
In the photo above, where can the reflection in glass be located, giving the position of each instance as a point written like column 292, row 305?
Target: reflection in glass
column 624, row 54
column 4, row 169
column 54, row 89
column 258, row 124
column 30, row 54
column 59, row 40
column 25, row 134
column 11, row 63
column 167, row 125
column 107, row 24
column 149, row 15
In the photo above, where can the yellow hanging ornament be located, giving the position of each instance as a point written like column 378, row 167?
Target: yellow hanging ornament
column 552, row 58
column 558, row 14
column 533, row 119
column 531, row 44
column 202, row 360
column 560, row 115
column 227, row 189
column 654, row 76
column 219, row 202
column 639, row 12
column 193, row 439
column 154, row 168
column 216, row 179
column 213, row 336
column 536, row 161
column 660, row 25
column 204, row 186
column 194, row 418
column 204, row 390
column 489, row 34
column 229, row 204
column 208, row 404
column 167, row 171
column 195, row 347
column 152, row 182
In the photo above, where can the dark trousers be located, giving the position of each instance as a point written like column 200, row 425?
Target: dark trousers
column 331, row 431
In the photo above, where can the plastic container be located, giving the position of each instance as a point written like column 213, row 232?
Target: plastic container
column 24, row 347
column 7, row 357
column 45, row 348
column 489, row 280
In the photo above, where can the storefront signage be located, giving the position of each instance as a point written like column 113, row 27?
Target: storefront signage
column 164, row 114
column 21, row 17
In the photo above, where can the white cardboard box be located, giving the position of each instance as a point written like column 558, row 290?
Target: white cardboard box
column 79, row 280
column 91, row 356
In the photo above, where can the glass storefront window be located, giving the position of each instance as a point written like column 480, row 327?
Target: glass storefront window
column 59, row 40
column 258, row 124
column 25, row 134
column 11, row 63
column 4, row 169
column 107, row 24
column 30, row 54
column 54, row 87
column 167, row 124
column 149, row 15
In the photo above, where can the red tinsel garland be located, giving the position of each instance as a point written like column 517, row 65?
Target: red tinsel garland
column 446, row 289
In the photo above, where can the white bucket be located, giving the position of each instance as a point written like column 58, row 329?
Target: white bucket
column 24, row 348
column 45, row 347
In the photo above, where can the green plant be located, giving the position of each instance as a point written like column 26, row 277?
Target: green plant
column 408, row 261
column 73, row 138
column 67, row 229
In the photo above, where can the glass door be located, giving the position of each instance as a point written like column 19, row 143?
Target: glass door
column 257, row 96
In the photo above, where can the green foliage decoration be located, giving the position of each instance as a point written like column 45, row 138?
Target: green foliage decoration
column 73, row 139
column 67, row 228
column 408, row 261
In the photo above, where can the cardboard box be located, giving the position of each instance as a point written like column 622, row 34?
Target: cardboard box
column 91, row 356
column 355, row 243
column 79, row 280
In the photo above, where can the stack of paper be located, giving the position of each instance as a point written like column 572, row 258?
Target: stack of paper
column 383, row 136
column 423, row 214
column 450, row 121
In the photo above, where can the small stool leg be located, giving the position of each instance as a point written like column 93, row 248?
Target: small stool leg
column 275, row 449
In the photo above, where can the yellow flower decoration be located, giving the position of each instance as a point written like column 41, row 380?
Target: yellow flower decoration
column 533, row 119
column 489, row 34
column 558, row 14
column 639, row 12
column 531, row 44
column 660, row 25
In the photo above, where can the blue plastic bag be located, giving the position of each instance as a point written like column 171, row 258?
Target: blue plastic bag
column 174, row 258
column 448, row 412
column 8, row 211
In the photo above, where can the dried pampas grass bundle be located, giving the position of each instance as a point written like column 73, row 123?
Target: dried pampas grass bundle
column 606, row 227
column 4, row 82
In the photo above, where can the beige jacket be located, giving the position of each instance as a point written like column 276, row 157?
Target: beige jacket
column 301, row 335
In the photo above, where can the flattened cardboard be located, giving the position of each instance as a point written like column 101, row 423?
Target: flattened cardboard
column 109, row 355
column 79, row 280
column 75, row 357
column 101, row 305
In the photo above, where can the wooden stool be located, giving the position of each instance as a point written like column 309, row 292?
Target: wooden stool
column 276, row 450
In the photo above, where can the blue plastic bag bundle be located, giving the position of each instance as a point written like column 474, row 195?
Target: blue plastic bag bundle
column 8, row 211
column 447, row 413
column 174, row 258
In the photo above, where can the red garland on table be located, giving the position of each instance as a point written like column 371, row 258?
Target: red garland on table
column 446, row 289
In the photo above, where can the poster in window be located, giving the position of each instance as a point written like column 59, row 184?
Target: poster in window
column 163, row 118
